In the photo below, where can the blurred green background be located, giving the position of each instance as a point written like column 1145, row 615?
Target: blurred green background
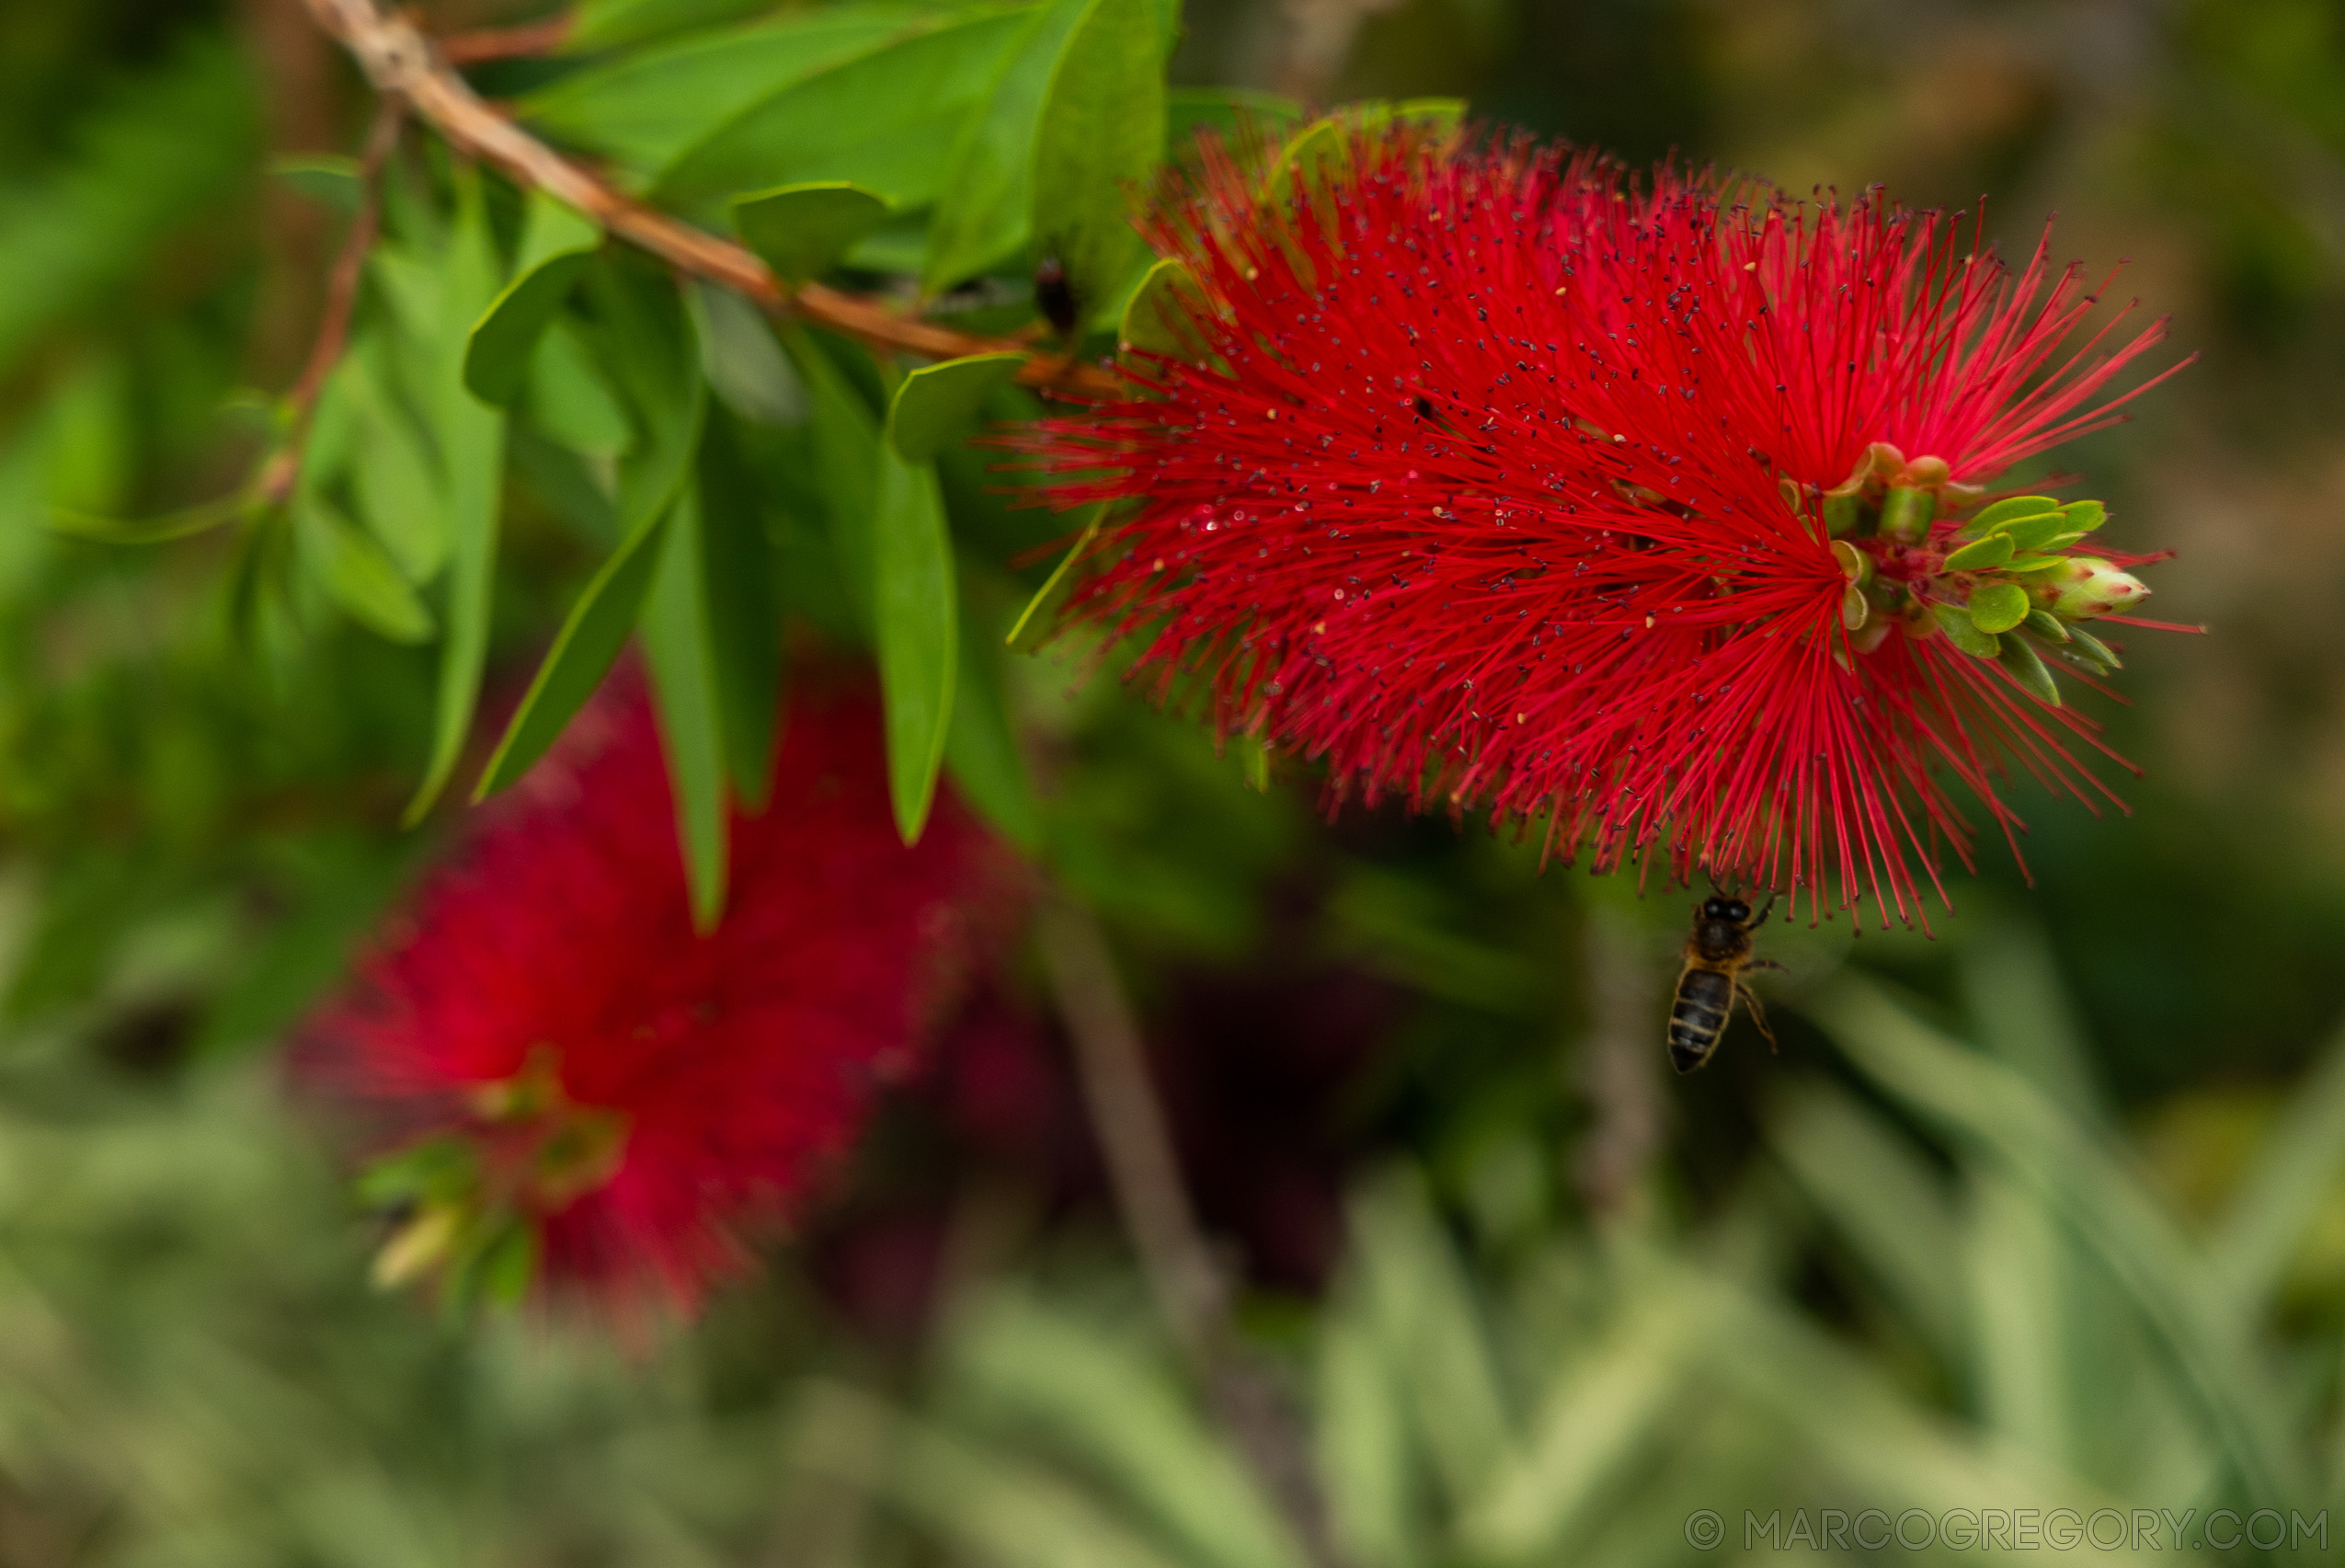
column 2045, row 1211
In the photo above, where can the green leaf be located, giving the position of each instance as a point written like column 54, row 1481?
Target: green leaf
column 652, row 340
column 1963, row 634
column 396, row 484
column 937, row 405
column 1102, row 132
column 2026, row 666
column 2083, row 516
column 608, row 24
column 877, row 119
column 915, row 621
column 2091, row 647
column 566, row 486
column 1034, row 623
column 591, row 638
column 2002, row 513
column 1999, row 607
column 438, row 1169
column 744, row 363
column 647, row 107
column 557, row 241
column 981, row 749
column 1980, row 554
column 355, row 574
column 161, row 529
column 1158, row 318
column 330, row 180
column 472, row 455
column 1310, row 158
column 846, row 460
column 986, row 205
column 679, row 646
column 570, row 400
column 1229, row 112
column 2034, row 532
column 802, row 230
column 745, row 622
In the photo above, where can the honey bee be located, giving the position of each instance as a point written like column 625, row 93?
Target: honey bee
column 1717, row 953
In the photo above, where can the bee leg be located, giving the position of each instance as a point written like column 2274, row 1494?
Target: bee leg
column 1766, row 964
column 1758, row 1016
column 1760, row 918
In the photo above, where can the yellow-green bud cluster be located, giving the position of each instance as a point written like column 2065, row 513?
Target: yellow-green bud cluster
column 1999, row 585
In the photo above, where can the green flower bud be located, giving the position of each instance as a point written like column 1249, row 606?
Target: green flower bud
column 2088, row 586
column 1905, row 513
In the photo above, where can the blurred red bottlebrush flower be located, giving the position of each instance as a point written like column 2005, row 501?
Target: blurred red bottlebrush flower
column 1490, row 477
column 590, row 1093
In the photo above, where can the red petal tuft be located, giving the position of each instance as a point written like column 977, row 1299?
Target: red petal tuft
column 1475, row 488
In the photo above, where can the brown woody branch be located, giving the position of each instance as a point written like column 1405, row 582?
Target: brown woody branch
column 402, row 63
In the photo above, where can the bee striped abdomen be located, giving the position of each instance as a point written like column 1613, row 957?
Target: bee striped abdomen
column 1699, row 1016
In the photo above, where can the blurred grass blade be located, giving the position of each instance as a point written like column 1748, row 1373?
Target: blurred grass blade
column 1117, row 1416
column 1362, row 1444
column 1874, row 1438
column 1428, row 1327
column 472, row 453
column 1886, row 1205
column 2292, row 1183
column 1598, row 1422
column 1992, row 1108
column 994, row 1509
column 678, row 646
column 2011, row 988
column 2018, row 1259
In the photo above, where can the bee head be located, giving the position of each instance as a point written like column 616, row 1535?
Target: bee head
column 1726, row 910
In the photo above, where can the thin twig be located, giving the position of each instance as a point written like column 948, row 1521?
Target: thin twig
column 1134, row 1141
column 1617, row 1064
column 527, row 41
column 1145, row 1175
column 276, row 479
column 402, row 63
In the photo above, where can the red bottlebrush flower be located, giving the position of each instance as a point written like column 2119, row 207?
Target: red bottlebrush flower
column 594, row 1094
column 1490, row 477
